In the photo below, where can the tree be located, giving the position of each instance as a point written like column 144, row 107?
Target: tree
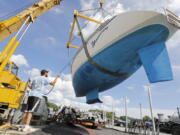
column 96, row 110
column 53, row 106
column 124, row 118
column 146, row 118
column 109, row 115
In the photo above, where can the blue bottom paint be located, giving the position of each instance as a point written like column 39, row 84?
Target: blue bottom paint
column 92, row 96
column 156, row 62
column 121, row 56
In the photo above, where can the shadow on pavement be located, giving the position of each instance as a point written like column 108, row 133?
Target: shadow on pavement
column 61, row 130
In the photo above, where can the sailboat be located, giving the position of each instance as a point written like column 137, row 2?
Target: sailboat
column 119, row 47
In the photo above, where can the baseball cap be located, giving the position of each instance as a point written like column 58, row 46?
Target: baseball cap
column 44, row 71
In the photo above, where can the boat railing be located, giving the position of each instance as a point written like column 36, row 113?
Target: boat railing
column 172, row 18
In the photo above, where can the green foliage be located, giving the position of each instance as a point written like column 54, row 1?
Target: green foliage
column 146, row 118
column 96, row 110
column 124, row 118
column 53, row 106
column 109, row 115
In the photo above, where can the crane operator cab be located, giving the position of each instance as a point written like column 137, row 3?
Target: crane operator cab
column 12, row 89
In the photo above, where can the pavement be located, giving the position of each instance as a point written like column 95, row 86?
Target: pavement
column 71, row 130
column 65, row 130
column 122, row 129
column 106, row 131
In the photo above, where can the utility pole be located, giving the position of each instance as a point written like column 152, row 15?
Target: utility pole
column 112, row 113
column 104, row 113
column 140, row 111
column 141, row 119
column 105, row 118
column 178, row 112
column 150, row 104
column 125, row 103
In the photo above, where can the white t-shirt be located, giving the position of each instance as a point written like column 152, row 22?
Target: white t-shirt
column 38, row 86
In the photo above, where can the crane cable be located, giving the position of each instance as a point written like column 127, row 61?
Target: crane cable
column 87, row 22
column 96, row 11
column 64, row 67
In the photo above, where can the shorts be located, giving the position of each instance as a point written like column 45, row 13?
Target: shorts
column 32, row 104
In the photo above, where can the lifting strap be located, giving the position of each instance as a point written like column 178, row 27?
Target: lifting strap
column 99, row 67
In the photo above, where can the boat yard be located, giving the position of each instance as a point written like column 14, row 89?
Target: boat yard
column 89, row 57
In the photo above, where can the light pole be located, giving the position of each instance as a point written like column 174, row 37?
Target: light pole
column 140, row 111
column 112, row 113
column 150, row 104
column 125, row 103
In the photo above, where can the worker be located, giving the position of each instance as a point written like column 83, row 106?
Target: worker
column 37, row 89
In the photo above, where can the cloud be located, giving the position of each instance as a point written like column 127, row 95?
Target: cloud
column 174, row 5
column 87, row 4
column 19, row 60
column 33, row 72
column 130, row 87
column 145, row 5
column 109, row 100
column 174, row 41
column 56, row 10
column 115, row 7
column 112, row 8
column 178, row 90
column 46, row 41
column 176, row 67
column 62, row 89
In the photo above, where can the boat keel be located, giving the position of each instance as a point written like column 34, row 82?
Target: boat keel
column 156, row 62
column 93, row 97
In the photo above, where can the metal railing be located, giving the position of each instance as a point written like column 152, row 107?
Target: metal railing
column 172, row 18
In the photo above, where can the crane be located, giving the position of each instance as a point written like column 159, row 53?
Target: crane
column 13, row 24
column 12, row 88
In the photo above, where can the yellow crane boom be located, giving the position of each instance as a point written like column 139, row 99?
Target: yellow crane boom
column 13, row 24
column 12, row 88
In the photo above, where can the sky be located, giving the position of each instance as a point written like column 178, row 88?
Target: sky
column 44, row 47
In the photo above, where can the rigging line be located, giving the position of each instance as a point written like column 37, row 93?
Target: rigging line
column 92, row 16
column 87, row 22
column 13, row 12
column 108, row 12
column 88, row 10
column 103, row 15
column 90, row 59
column 64, row 67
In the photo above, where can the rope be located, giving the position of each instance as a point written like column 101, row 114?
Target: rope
column 64, row 67
column 87, row 22
column 87, row 10
column 107, row 12
column 93, row 16
column 99, row 67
